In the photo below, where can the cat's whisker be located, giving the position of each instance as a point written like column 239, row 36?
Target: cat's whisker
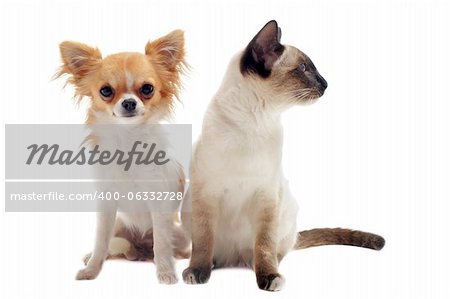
column 304, row 94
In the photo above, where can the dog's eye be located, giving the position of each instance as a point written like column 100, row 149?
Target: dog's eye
column 146, row 90
column 106, row 91
column 302, row 67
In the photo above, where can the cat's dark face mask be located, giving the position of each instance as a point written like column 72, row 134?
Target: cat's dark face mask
column 289, row 71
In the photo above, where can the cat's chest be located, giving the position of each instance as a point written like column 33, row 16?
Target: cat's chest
column 234, row 174
column 241, row 164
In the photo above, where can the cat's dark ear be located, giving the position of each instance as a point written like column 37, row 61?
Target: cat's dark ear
column 263, row 50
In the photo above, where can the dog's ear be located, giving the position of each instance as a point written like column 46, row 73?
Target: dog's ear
column 167, row 54
column 262, row 51
column 78, row 59
column 168, row 50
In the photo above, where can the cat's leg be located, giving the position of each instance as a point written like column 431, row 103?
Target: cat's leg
column 287, row 243
column 287, row 227
column 265, row 257
column 163, row 227
column 203, row 225
column 105, row 226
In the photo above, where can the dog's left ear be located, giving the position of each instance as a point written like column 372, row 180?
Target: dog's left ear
column 168, row 50
column 263, row 51
column 167, row 53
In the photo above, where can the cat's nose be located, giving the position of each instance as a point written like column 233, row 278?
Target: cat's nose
column 323, row 83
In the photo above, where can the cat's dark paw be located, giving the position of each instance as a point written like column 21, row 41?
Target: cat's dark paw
column 196, row 275
column 270, row 282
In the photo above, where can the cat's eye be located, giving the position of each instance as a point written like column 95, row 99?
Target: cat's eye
column 146, row 90
column 302, row 67
column 107, row 92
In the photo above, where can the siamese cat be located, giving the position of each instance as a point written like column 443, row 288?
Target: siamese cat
column 243, row 213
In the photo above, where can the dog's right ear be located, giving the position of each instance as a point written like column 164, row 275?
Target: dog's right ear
column 78, row 60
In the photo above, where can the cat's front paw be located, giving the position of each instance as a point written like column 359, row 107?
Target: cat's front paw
column 270, row 282
column 196, row 275
column 88, row 273
column 167, row 277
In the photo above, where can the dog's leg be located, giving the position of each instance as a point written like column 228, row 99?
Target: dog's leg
column 105, row 225
column 184, row 237
column 163, row 227
column 186, row 213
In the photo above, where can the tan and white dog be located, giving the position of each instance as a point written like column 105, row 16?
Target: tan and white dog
column 132, row 89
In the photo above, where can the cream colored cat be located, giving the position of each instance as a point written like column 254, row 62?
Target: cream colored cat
column 243, row 213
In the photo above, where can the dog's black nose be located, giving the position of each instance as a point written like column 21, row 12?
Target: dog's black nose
column 129, row 104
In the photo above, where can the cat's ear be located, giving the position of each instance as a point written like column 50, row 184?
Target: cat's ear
column 263, row 51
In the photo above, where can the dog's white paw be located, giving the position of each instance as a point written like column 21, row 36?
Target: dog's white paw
column 86, row 258
column 167, row 277
column 88, row 273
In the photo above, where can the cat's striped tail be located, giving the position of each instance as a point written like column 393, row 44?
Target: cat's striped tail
column 338, row 236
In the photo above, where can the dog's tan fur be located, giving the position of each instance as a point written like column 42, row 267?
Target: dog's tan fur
column 142, row 234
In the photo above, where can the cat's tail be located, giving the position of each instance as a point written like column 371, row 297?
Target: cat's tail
column 338, row 236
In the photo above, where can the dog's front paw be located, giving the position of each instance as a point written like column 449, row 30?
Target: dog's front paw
column 196, row 275
column 88, row 273
column 86, row 258
column 167, row 277
column 270, row 282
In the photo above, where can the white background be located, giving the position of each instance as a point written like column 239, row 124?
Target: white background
column 372, row 154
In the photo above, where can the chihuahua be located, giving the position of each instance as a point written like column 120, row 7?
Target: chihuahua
column 132, row 89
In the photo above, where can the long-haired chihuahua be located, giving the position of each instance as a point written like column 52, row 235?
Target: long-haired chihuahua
column 132, row 89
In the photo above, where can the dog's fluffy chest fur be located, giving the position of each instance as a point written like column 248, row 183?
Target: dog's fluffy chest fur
column 139, row 178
